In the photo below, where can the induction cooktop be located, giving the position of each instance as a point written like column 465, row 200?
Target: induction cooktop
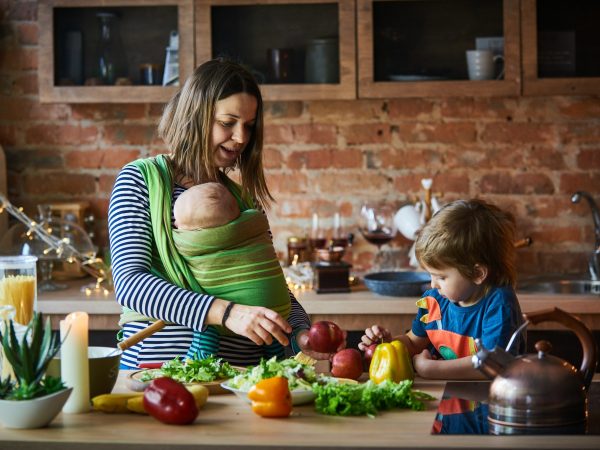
column 463, row 409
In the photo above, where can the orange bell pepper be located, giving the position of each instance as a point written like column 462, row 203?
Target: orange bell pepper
column 391, row 361
column 271, row 397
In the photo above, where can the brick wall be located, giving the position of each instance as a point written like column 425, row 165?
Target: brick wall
column 525, row 154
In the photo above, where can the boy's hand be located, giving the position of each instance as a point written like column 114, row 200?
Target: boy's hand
column 374, row 335
column 421, row 362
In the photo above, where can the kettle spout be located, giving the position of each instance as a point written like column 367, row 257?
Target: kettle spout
column 491, row 363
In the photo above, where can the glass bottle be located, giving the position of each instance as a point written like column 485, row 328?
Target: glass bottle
column 111, row 57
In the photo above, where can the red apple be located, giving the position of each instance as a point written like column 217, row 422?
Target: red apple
column 325, row 336
column 347, row 363
column 369, row 353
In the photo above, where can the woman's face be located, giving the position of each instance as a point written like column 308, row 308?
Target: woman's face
column 235, row 117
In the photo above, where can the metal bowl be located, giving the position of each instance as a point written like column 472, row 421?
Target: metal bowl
column 398, row 284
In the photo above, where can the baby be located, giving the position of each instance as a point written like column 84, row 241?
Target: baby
column 205, row 205
column 230, row 253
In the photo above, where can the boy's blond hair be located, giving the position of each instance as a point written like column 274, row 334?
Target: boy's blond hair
column 469, row 232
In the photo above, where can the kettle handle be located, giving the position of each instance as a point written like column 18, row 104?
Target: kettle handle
column 586, row 338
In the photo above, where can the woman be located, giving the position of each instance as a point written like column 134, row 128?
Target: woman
column 213, row 124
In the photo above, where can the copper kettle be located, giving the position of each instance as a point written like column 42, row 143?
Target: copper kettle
column 536, row 393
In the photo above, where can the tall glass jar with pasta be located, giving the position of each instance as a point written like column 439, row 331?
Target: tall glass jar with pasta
column 18, row 286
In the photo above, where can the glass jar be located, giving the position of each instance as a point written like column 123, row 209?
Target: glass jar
column 18, row 286
column 297, row 250
column 111, row 56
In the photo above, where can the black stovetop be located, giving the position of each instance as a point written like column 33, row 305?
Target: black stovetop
column 463, row 409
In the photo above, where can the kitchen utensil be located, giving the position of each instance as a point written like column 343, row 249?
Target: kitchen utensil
column 398, row 284
column 537, row 391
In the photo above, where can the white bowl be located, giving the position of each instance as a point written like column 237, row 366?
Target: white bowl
column 299, row 396
column 34, row 413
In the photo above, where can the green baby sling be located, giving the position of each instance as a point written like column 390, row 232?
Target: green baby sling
column 235, row 262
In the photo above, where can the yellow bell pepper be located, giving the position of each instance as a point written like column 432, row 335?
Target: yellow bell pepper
column 391, row 361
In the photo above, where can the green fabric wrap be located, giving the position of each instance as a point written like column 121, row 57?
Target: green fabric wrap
column 237, row 262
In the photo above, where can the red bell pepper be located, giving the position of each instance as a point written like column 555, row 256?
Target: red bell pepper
column 170, row 402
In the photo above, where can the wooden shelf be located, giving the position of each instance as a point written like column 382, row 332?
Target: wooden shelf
column 246, row 29
column 147, row 44
column 440, row 55
column 586, row 37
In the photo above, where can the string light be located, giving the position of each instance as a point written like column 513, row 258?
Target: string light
column 89, row 263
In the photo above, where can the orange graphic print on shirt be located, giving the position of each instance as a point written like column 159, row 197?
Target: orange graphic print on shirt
column 449, row 344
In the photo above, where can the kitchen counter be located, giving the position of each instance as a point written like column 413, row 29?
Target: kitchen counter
column 226, row 422
column 352, row 311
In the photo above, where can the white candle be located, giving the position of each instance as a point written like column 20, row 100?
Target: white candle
column 336, row 225
column 315, row 225
column 74, row 366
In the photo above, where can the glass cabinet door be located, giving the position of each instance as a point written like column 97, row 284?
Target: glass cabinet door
column 438, row 47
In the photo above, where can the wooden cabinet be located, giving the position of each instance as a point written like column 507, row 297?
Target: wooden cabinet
column 70, row 46
column 561, row 47
column 416, row 48
column 298, row 50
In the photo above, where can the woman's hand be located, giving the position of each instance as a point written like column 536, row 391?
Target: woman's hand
column 374, row 335
column 303, row 343
column 258, row 324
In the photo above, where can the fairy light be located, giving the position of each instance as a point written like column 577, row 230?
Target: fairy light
column 89, row 263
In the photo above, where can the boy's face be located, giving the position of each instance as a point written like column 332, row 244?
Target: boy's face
column 232, row 129
column 454, row 286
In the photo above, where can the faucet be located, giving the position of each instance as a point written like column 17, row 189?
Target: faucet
column 594, row 261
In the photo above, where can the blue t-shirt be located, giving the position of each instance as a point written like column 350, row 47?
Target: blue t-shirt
column 452, row 329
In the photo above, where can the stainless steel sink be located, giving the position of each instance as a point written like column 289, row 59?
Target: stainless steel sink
column 559, row 285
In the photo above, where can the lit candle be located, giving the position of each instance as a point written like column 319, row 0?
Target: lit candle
column 74, row 366
column 315, row 225
column 336, row 225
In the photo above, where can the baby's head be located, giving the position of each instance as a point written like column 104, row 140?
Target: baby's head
column 205, row 205
column 466, row 233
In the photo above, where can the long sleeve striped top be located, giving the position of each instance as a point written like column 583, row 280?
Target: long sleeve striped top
column 136, row 288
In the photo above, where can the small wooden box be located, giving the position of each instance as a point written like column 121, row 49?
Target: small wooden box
column 332, row 277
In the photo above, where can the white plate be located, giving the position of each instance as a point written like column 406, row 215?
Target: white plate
column 299, row 396
column 415, row 78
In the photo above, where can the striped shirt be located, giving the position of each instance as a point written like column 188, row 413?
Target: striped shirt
column 131, row 242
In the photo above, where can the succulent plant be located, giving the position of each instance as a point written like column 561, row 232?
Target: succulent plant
column 29, row 359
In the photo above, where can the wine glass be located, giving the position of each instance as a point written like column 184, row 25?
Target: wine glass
column 376, row 224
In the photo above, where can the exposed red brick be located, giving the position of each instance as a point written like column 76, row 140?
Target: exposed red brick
column 545, row 158
column 369, row 133
column 8, row 135
column 410, row 108
column 22, row 10
column 108, row 111
column 131, row 134
column 556, row 234
column 64, row 134
column 346, row 110
column 28, row 33
column 101, row 158
column 562, row 262
column 106, row 183
column 585, row 181
column 589, row 159
column 282, row 110
column 27, row 83
column 285, row 183
column 350, row 183
column 325, row 158
column 581, row 108
column 453, row 132
column 580, row 133
column 155, row 110
column 272, row 158
column 22, row 58
column 477, row 108
column 521, row 183
column 514, row 133
column 59, row 183
column 300, row 134
column 410, row 158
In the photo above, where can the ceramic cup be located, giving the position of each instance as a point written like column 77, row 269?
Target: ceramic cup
column 481, row 64
column 408, row 221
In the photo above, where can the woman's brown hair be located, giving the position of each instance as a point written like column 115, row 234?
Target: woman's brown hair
column 469, row 232
column 187, row 121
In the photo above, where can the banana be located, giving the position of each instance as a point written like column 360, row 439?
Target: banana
column 113, row 403
column 200, row 393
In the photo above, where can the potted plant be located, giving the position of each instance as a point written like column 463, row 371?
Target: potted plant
column 32, row 399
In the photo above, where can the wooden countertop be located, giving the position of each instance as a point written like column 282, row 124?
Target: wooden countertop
column 352, row 311
column 226, row 422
